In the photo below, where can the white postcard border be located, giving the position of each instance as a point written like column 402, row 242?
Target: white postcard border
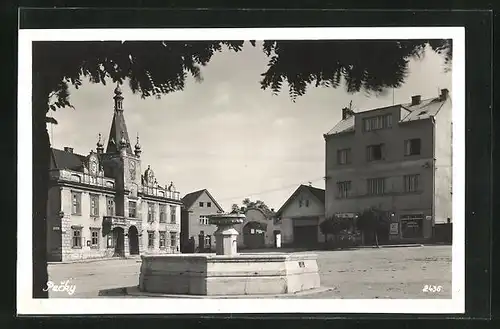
column 27, row 305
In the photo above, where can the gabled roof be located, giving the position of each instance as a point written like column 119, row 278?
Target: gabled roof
column 424, row 110
column 73, row 161
column 316, row 192
column 189, row 199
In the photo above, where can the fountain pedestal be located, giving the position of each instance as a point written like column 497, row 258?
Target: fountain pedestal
column 227, row 272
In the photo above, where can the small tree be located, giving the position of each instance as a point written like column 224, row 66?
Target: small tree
column 371, row 221
column 333, row 226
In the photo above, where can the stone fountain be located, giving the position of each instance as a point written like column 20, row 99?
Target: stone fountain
column 226, row 272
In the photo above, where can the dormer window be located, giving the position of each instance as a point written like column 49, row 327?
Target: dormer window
column 377, row 122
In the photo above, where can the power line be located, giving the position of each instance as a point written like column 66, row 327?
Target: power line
column 271, row 190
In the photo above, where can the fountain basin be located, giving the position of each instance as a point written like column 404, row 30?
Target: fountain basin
column 217, row 275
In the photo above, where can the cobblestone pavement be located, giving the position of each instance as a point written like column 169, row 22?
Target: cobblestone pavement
column 364, row 273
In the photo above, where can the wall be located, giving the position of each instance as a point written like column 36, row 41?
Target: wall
column 255, row 215
column 157, row 227
column 85, row 221
column 195, row 211
column 443, row 155
column 294, row 211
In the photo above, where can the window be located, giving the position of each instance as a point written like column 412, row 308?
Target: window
column 344, row 156
column 307, row 203
column 77, row 237
column 173, row 215
column 94, row 205
column 132, row 209
column 110, row 206
column 411, row 226
column 377, row 122
column 151, row 212
column 411, row 183
column 374, row 152
column 412, row 146
column 344, row 189
column 173, row 239
column 209, row 204
column 151, row 239
column 163, row 213
column 203, row 220
column 300, row 203
column 76, row 203
column 109, row 241
column 162, row 239
column 376, row 186
column 201, row 204
column 94, row 235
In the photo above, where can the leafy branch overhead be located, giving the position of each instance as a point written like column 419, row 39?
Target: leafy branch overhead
column 369, row 65
column 155, row 68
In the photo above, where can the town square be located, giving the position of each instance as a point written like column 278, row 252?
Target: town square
column 200, row 184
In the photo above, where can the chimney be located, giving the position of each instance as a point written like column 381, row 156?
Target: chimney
column 415, row 100
column 444, row 94
column 68, row 149
column 346, row 113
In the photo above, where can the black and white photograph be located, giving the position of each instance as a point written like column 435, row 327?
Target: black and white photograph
column 276, row 170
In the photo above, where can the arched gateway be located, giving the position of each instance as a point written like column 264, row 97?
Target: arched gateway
column 133, row 240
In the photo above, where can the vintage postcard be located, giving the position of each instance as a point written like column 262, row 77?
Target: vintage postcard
column 284, row 170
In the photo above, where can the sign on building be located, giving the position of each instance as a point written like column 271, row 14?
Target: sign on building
column 394, row 229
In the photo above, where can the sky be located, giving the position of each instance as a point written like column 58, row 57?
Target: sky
column 228, row 135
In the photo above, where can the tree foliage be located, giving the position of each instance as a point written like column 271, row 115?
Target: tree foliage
column 371, row 221
column 368, row 65
column 259, row 204
column 334, row 225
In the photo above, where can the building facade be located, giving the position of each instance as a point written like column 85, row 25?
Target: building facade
column 258, row 230
column 397, row 159
column 300, row 217
column 103, row 205
column 196, row 232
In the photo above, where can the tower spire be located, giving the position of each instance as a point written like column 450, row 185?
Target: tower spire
column 138, row 150
column 118, row 131
column 118, row 98
column 100, row 145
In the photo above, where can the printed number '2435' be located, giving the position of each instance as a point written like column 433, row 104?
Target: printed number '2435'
column 432, row 288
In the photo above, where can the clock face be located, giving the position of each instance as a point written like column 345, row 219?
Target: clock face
column 132, row 169
column 93, row 167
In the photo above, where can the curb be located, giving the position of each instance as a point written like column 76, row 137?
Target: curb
column 93, row 260
column 134, row 292
column 392, row 246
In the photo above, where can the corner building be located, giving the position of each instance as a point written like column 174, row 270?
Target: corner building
column 102, row 204
column 397, row 159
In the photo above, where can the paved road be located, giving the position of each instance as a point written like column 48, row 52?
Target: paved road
column 364, row 273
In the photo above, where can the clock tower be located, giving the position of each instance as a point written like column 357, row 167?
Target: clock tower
column 126, row 164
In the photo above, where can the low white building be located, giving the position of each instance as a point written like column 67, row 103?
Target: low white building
column 300, row 216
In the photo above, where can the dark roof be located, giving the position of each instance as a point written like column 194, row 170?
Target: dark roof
column 67, row 160
column 189, row 199
column 115, row 134
column 317, row 192
column 73, row 161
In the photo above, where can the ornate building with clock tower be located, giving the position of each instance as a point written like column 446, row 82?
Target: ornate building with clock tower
column 103, row 205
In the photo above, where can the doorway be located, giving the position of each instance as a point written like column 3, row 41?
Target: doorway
column 133, row 240
column 118, row 237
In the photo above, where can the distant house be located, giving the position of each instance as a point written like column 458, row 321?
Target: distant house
column 258, row 229
column 196, row 232
column 301, row 215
